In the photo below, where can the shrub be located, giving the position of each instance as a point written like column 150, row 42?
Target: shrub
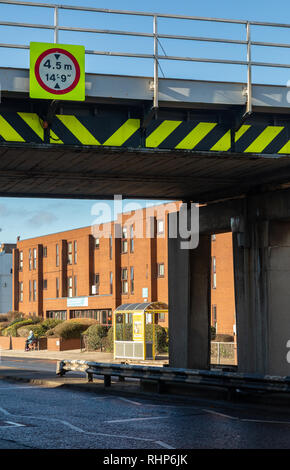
column 50, row 323
column 95, row 336
column 3, row 325
column 38, row 331
column 84, row 321
column 3, row 318
column 11, row 330
column 14, row 316
column 161, row 337
column 50, row 332
column 34, row 319
column 68, row 330
column 223, row 338
column 109, row 340
column 212, row 333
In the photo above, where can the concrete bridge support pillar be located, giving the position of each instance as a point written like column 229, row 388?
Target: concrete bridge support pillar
column 262, row 286
column 189, row 303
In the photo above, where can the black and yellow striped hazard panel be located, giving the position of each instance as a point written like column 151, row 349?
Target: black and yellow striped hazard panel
column 161, row 134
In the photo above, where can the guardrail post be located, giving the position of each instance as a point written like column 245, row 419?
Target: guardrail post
column 107, row 380
column 90, row 376
column 59, row 369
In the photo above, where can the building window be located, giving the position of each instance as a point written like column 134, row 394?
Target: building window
column 45, row 251
column 124, row 232
column 70, row 286
column 160, row 226
column 96, row 286
column 131, row 238
column 34, row 258
column 124, row 246
column 30, row 291
column 214, row 272
column 97, row 243
column 69, row 253
column 30, row 259
column 124, row 280
column 34, row 290
column 132, row 280
column 160, row 270
column 21, row 261
column 44, row 284
column 75, row 252
column 103, row 317
column 20, row 291
column 57, row 255
column 57, row 287
column 111, row 247
column 214, row 316
column 213, row 238
column 111, row 283
column 75, row 286
column 58, row 315
column 161, row 317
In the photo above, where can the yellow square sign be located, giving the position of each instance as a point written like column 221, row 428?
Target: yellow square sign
column 57, row 71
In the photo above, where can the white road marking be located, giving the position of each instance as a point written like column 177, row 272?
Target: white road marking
column 77, row 429
column 14, row 424
column 220, row 414
column 129, row 401
column 102, row 398
column 265, row 421
column 162, row 444
column 126, row 420
column 5, row 412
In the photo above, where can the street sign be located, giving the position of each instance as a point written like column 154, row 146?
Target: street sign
column 57, row 71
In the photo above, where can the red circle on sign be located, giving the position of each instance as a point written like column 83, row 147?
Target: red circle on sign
column 40, row 81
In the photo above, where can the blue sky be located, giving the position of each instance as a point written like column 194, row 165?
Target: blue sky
column 33, row 217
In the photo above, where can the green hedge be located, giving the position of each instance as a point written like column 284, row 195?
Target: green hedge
column 68, row 329
column 95, row 337
column 161, row 337
column 11, row 330
column 109, row 340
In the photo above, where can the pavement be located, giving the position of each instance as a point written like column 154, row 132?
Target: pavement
column 80, row 355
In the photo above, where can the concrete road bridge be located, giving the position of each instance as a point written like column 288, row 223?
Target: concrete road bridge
column 225, row 144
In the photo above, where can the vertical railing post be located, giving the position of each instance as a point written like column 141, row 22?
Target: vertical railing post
column 249, row 61
column 56, row 25
column 155, row 33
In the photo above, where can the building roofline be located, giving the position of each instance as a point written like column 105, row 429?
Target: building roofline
column 88, row 226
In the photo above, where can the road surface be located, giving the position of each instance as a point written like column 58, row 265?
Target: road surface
column 47, row 417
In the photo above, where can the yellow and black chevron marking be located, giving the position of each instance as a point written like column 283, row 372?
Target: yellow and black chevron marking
column 164, row 134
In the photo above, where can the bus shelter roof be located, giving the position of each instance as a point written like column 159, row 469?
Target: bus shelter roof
column 148, row 307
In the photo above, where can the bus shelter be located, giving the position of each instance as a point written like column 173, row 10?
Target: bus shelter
column 134, row 330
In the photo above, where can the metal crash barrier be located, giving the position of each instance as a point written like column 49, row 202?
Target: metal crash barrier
column 230, row 381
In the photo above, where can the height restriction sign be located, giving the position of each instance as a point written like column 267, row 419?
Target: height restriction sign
column 57, row 71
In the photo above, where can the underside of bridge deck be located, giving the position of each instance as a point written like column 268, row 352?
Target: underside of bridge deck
column 40, row 170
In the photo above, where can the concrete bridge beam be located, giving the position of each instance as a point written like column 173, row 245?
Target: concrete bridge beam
column 189, row 303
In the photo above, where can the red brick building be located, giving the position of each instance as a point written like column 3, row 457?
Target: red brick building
column 77, row 274
column 222, row 284
column 88, row 273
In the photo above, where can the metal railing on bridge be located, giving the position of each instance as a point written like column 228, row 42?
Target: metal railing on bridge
column 158, row 53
